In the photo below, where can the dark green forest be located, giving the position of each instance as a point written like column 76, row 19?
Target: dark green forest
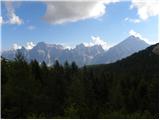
column 128, row 88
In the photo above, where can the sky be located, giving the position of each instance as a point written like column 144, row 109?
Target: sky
column 105, row 22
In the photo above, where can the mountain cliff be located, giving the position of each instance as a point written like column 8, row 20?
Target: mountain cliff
column 81, row 54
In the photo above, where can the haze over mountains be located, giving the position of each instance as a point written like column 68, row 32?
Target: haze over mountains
column 81, row 54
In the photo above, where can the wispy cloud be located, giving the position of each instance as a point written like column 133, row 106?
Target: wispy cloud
column 29, row 45
column 15, row 46
column 31, row 27
column 136, row 34
column 1, row 20
column 132, row 20
column 96, row 40
column 11, row 15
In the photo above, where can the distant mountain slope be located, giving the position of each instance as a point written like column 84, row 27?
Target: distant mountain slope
column 81, row 54
column 147, row 57
column 125, row 48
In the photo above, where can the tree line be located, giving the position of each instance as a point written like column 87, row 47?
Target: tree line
column 33, row 90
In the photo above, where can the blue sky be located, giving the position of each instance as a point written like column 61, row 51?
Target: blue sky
column 112, row 22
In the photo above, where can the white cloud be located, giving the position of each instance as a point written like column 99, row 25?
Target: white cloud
column 15, row 46
column 1, row 20
column 136, row 34
column 95, row 40
column 63, row 11
column 67, row 46
column 29, row 45
column 132, row 20
column 12, row 17
column 31, row 27
column 146, row 8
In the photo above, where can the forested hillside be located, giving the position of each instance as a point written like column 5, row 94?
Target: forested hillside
column 126, row 89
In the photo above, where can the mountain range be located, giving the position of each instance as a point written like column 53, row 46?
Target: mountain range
column 81, row 54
